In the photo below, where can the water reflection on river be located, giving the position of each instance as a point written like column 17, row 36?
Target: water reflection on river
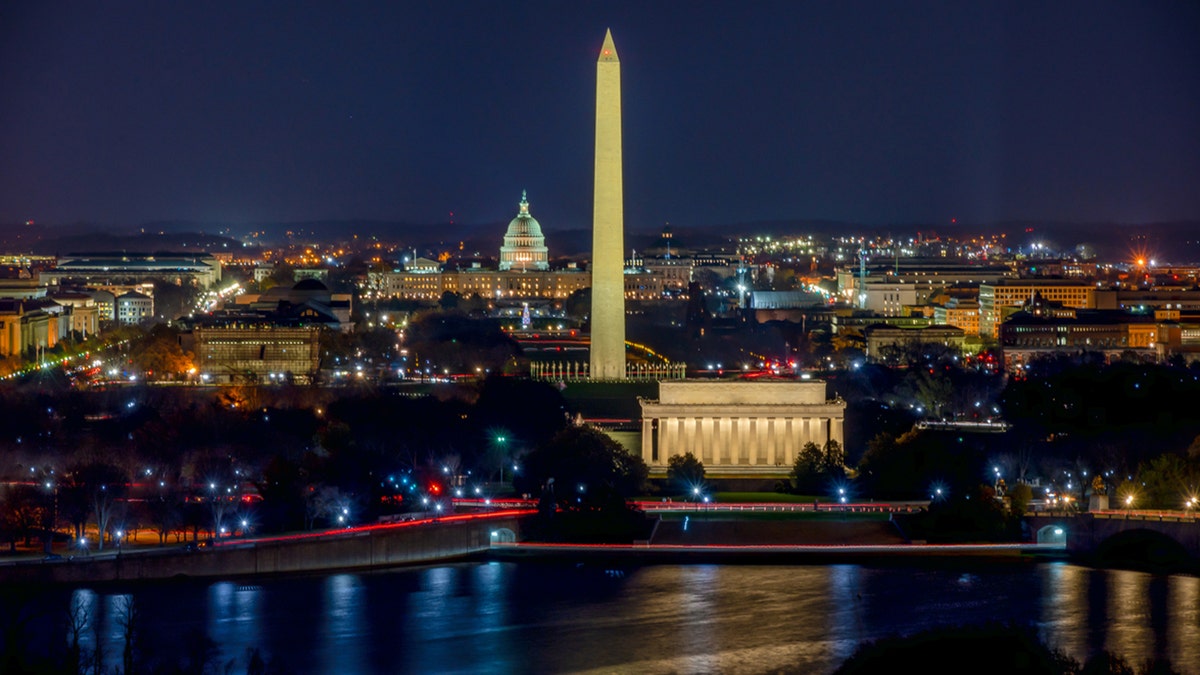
column 505, row 617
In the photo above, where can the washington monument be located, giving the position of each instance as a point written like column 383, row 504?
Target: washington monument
column 608, row 224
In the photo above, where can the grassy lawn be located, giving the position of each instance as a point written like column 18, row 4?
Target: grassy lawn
column 746, row 498
column 833, row 516
column 766, row 497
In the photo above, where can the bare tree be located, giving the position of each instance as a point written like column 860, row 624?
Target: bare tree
column 105, row 485
column 77, row 621
column 127, row 618
column 320, row 502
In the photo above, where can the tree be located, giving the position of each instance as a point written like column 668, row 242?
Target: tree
column 970, row 516
column 164, row 513
column 808, row 469
column 906, row 467
column 578, row 304
column 104, row 484
column 21, row 511
column 172, row 301
column 451, row 341
column 1168, row 481
column 159, row 355
column 449, row 300
column 685, row 472
column 581, row 468
column 1019, row 497
column 1008, row 649
column 321, row 502
column 816, row 469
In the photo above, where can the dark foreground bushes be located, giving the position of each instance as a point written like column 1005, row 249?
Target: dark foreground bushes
column 983, row 650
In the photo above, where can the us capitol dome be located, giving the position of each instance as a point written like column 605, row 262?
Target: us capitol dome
column 524, row 245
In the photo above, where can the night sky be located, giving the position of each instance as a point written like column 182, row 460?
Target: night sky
column 872, row 112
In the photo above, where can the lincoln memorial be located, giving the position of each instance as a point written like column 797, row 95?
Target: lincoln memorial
column 752, row 428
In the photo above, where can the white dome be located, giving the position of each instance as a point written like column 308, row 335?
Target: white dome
column 524, row 245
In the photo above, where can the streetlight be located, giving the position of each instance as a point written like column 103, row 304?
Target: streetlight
column 500, row 441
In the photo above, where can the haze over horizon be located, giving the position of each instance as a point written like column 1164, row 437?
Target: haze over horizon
column 860, row 112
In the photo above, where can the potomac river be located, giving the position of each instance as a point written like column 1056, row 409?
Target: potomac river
column 520, row 617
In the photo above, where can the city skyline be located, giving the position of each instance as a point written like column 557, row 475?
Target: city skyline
column 928, row 113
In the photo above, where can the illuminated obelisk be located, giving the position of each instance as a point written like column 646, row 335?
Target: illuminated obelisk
column 608, row 224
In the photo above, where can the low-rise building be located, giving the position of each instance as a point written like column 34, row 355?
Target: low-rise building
column 881, row 338
column 133, row 308
column 200, row 270
column 256, row 350
column 959, row 313
column 1044, row 327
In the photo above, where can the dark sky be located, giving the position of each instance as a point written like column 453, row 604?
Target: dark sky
column 875, row 112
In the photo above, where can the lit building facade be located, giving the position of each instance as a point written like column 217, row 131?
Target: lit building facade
column 962, row 314
column 738, row 428
column 524, row 246
column 202, row 270
column 25, row 327
column 134, row 308
column 257, row 352
column 995, row 298
column 881, row 337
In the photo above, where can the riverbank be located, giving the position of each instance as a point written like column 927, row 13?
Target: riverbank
column 781, row 554
column 359, row 548
column 768, row 538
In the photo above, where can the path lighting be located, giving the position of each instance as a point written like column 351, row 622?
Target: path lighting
column 1129, row 501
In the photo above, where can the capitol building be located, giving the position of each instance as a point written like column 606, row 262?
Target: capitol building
column 524, row 246
column 523, row 273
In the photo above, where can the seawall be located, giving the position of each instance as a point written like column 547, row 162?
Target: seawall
column 374, row 546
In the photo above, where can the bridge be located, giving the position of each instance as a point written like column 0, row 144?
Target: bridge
column 1159, row 539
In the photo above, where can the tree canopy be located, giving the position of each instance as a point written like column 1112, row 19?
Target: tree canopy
column 581, row 468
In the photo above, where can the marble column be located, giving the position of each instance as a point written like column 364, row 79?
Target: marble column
column 648, row 443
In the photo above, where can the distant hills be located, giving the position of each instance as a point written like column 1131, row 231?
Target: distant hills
column 1177, row 242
